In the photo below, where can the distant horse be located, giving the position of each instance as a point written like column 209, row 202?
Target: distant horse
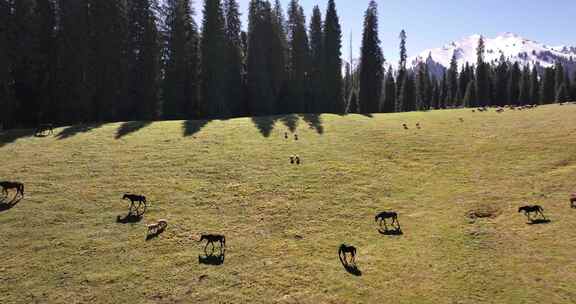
column 573, row 200
column 19, row 187
column 213, row 238
column 140, row 199
column 382, row 216
column 532, row 209
column 343, row 250
column 42, row 129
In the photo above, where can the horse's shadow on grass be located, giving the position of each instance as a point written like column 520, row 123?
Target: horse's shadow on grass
column 539, row 222
column 351, row 268
column 392, row 232
column 6, row 205
column 130, row 218
column 212, row 259
column 151, row 236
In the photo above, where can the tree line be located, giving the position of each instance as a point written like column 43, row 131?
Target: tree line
column 74, row 61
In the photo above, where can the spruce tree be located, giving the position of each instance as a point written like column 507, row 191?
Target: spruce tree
column 181, row 67
column 389, row 93
column 401, row 65
column 299, row 67
column 525, row 86
column 144, row 62
column 407, row 94
column 234, row 58
column 213, row 62
column 452, row 80
column 7, row 102
column 573, row 87
column 333, row 92
column 548, row 86
column 317, row 103
column 422, row 88
column 482, row 76
column 279, row 55
column 514, row 84
column 470, row 95
column 534, row 86
column 501, row 82
column 371, row 70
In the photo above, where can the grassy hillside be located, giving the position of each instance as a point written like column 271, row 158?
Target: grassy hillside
column 284, row 223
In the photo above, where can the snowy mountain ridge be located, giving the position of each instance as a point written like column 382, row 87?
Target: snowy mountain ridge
column 510, row 46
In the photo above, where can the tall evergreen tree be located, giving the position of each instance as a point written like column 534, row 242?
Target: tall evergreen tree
column 234, row 61
column 452, row 80
column 514, row 84
column 423, row 88
column 401, row 67
column 525, row 86
column 316, row 103
column 213, row 61
column 548, row 86
column 109, row 76
column 534, row 86
column 408, row 93
column 181, row 55
column 371, row 70
column 482, row 76
column 573, row 87
column 7, row 102
column 501, row 82
column 299, row 71
column 389, row 93
column 333, row 92
column 144, row 62
column 262, row 82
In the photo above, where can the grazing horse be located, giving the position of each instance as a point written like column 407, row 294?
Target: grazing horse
column 19, row 187
column 135, row 198
column 382, row 216
column 41, row 129
column 573, row 200
column 532, row 209
column 343, row 250
column 211, row 239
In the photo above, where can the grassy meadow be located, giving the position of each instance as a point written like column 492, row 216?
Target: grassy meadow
column 456, row 186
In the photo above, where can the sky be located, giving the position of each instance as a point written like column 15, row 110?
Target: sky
column 434, row 23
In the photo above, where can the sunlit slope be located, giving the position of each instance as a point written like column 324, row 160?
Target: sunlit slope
column 283, row 222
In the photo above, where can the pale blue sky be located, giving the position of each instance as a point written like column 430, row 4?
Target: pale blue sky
column 433, row 23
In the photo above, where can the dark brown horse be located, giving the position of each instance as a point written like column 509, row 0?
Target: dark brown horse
column 213, row 238
column 343, row 250
column 528, row 210
column 573, row 200
column 19, row 187
column 140, row 199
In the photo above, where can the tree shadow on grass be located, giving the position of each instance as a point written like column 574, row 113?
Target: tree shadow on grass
column 77, row 129
column 6, row 205
column 131, row 127
column 191, row 127
column 265, row 124
column 314, row 121
column 290, row 121
column 8, row 137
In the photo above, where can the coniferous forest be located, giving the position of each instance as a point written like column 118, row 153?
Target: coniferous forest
column 79, row 61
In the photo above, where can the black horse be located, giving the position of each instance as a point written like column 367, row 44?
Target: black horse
column 343, row 250
column 213, row 238
column 19, row 187
column 140, row 199
column 383, row 216
column 528, row 210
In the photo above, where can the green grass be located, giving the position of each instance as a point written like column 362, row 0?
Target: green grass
column 61, row 243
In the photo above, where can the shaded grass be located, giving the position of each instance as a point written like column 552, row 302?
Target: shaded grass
column 284, row 223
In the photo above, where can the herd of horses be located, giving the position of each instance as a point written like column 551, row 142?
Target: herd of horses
column 139, row 204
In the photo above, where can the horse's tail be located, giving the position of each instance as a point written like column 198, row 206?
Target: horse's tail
column 21, row 189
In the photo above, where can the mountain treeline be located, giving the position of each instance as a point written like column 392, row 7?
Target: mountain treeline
column 74, row 61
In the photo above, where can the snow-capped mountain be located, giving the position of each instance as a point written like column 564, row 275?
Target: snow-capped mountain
column 508, row 45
